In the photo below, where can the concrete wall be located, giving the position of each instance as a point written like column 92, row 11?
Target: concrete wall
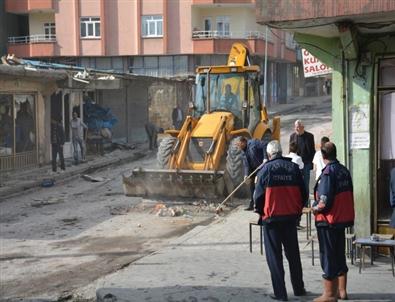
column 9, row 26
column 241, row 18
column 163, row 97
column 142, row 100
column 37, row 20
column 293, row 10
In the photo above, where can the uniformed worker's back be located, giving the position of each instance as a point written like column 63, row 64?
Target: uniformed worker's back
column 283, row 187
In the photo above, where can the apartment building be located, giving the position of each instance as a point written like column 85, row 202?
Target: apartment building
column 150, row 37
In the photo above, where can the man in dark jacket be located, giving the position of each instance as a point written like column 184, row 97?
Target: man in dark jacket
column 152, row 132
column 392, row 197
column 57, row 142
column 177, row 117
column 334, row 211
column 254, row 155
column 306, row 150
column 279, row 196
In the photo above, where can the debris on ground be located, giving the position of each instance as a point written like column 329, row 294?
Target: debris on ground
column 70, row 221
column 119, row 210
column 47, row 182
column 123, row 146
column 93, row 178
column 203, row 205
column 38, row 203
column 162, row 210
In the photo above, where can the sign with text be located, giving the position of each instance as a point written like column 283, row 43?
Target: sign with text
column 312, row 66
column 359, row 126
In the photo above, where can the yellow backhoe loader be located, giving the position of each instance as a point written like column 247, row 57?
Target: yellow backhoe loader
column 201, row 159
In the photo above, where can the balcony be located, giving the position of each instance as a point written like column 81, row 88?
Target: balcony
column 211, row 2
column 32, row 46
column 215, row 34
column 26, row 6
column 215, row 42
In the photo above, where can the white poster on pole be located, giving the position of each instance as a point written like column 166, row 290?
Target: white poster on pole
column 312, row 66
column 359, row 127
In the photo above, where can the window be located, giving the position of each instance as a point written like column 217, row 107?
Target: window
column 49, row 31
column 90, row 27
column 152, row 26
column 223, row 26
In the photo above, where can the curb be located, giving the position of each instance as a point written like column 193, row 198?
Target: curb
column 68, row 176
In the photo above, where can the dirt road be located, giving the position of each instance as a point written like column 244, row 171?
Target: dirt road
column 61, row 238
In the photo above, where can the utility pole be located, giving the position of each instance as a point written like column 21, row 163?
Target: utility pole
column 265, row 71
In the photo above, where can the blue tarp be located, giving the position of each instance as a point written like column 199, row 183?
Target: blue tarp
column 97, row 117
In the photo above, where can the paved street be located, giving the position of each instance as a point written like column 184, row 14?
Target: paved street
column 213, row 263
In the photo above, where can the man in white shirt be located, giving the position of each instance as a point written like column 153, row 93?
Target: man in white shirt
column 293, row 149
column 77, row 136
column 318, row 161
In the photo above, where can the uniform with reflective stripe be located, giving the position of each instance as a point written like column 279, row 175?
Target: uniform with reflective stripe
column 279, row 191
column 335, row 187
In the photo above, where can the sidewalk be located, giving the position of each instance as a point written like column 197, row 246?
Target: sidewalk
column 18, row 182
column 213, row 263
column 299, row 104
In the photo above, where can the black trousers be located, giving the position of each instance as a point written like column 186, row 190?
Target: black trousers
column 277, row 235
column 252, row 189
column 152, row 134
column 57, row 149
column 332, row 251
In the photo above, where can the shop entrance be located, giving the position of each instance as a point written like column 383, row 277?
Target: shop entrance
column 18, row 131
column 386, row 143
column 63, row 104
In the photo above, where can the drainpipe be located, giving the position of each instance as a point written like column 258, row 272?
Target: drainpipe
column 346, row 94
column 265, row 71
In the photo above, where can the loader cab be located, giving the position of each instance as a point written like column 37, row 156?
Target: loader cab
column 228, row 89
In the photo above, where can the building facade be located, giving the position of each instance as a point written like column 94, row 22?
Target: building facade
column 356, row 39
column 156, row 37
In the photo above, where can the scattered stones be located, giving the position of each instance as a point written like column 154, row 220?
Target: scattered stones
column 119, row 210
column 70, row 221
column 92, row 178
column 42, row 202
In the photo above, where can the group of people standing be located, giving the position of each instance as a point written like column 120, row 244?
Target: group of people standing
column 58, row 139
column 280, row 190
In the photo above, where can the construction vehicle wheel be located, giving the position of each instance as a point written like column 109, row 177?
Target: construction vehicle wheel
column 164, row 151
column 234, row 170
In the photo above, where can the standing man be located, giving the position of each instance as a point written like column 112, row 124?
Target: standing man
column 254, row 155
column 334, row 211
column 152, row 132
column 279, row 197
column 77, row 136
column 293, row 155
column 318, row 161
column 177, row 117
column 392, row 197
column 306, row 149
column 57, row 142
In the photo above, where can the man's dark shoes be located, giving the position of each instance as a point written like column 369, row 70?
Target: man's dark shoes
column 301, row 293
column 248, row 209
column 278, row 298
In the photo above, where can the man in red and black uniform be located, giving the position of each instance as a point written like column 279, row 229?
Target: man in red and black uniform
column 279, row 197
column 334, row 211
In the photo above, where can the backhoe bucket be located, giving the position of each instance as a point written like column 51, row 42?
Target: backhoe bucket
column 174, row 183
